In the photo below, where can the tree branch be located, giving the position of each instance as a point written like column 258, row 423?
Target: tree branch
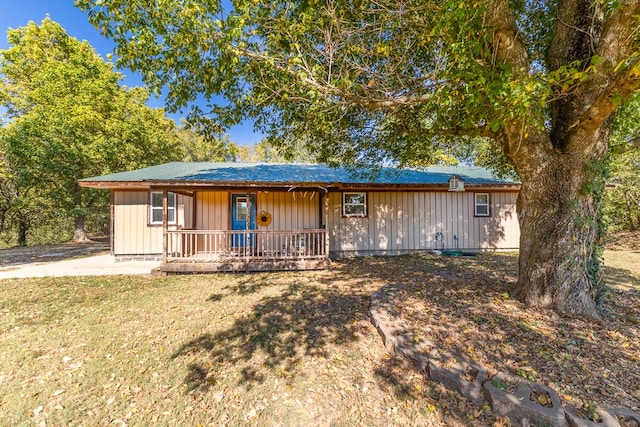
column 509, row 47
column 337, row 95
column 616, row 77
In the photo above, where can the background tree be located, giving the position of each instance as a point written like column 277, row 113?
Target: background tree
column 285, row 149
column 21, row 210
column 70, row 118
column 22, row 206
column 390, row 81
column 204, row 141
column 622, row 202
column 266, row 151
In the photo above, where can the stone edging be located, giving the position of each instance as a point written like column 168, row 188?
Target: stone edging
column 509, row 395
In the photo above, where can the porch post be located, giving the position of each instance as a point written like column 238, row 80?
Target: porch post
column 194, row 210
column 112, row 221
column 326, row 224
column 247, row 227
column 165, row 228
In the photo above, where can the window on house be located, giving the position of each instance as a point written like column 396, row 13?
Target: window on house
column 156, row 208
column 241, row 208
column 354, row 204
column 482, row 204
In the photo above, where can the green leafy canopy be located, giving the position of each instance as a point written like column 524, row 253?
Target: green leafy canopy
column 69, row 118
column 358, row 80
column 371, row 78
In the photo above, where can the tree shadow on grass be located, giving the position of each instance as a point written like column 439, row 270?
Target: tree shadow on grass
column 621, row 279
column 306, row 319
column 250, row 283
column 302, row 321
column 469, row 313
column 246, row 284
column 309, row 317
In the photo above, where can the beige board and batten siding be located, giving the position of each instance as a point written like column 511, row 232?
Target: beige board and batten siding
column 398, row 222
column 132, row 233
column 290, row 210
column 212, row 210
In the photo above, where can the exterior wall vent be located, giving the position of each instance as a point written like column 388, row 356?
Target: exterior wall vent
column 456, row 184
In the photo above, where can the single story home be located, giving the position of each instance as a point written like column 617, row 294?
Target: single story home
column 248, row 216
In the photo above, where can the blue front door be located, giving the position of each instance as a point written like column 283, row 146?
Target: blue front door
column 243, row 208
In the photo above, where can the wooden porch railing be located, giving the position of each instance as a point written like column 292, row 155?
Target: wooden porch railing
column 219, row 245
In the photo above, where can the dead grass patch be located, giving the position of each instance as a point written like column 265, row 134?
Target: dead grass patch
column 467, row 310
column 623, row 240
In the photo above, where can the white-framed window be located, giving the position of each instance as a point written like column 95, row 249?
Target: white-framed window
column 354, row 204
column 482, row 204
column 155, row 211
column 241, row 209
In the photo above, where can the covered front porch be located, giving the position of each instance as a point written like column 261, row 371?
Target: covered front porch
column 190, row 251
column 245, row 230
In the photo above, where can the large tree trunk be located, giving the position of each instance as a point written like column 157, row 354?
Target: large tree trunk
column 632, row 226
column 558, row 157
column 559, row 213
column 560, row 231
column 23, row 228
column 80, row 234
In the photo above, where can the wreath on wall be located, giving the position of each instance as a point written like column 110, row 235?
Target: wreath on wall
column 264, row 219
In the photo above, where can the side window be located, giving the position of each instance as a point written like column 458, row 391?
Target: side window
column 155, row 213
column 482, row 204
column 354, row 204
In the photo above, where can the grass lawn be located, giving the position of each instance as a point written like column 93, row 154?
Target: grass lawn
column 288, row 349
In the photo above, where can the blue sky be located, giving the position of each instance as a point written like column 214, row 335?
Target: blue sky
column 19, row 12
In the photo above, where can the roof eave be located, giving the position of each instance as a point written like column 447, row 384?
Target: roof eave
column 152, row 184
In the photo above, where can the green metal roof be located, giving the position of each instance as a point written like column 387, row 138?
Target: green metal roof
column 293, row 174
